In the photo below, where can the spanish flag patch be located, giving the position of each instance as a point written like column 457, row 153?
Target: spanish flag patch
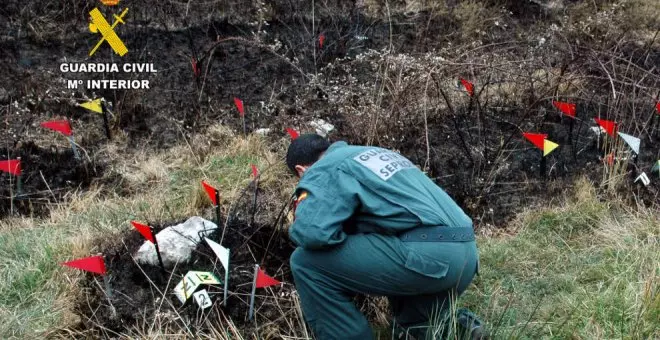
column 301, row 197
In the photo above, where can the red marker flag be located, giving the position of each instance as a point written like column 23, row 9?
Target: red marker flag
column 469, row 87
column 61, row 126
column 12, row 166
column 608, row 125
column 609, row 159
column 321, row 40
column 263, row 280
column 657, row 107
column 210, row 191
column 196, row 71
column 536, row 139
column 239, row 106
column 293, row 133
column 94, row 264
column 255, row 172
column 145, row 230
column 567, row 108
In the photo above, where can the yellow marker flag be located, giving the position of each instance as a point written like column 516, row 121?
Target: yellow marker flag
column 94, row 105
column 548, row 146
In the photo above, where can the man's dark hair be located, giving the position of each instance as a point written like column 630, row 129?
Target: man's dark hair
column 304, row 150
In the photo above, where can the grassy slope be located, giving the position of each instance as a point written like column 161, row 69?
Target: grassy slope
column 585, row 270
column 35, row 291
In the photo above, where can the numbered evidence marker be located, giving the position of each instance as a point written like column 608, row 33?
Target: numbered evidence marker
column 203, row 299
column 191, row 281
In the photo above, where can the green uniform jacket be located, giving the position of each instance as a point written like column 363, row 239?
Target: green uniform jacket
column 362, row 189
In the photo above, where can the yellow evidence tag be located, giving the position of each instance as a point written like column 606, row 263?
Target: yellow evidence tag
column 191, row 281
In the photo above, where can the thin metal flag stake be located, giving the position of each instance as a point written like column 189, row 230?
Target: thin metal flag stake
column 106, row 284
column 107, row 288
column 160, row 258
column 106, row 124
column 254, row 199
column 217, row 207
column 19, row 181
column 224, row 301
column 570, row 139
column 244, row 127
column 73, row 147
column 108, row 293
column 542, row 166
column 254, row 289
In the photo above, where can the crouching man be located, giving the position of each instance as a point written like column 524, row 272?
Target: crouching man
column 368, row 221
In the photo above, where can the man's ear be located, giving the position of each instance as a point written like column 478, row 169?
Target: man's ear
column 300, row 170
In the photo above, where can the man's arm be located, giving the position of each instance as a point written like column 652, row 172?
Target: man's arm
column 321, row 212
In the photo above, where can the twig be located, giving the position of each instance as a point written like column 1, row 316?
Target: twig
column 47, row 186
column 608, row 76
column 160, row 292
column 426, row 122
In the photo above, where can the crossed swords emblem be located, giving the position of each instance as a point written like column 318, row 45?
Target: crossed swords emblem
column 100, row 25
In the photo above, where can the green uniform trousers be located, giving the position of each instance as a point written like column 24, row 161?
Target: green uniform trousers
column 419, row 278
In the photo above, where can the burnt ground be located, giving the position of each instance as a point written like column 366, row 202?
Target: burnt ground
column 273, row 66
column 371, row 80
column 138, row 287
column 49, row 174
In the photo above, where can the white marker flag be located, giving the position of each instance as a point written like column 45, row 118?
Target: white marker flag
column 632, row 141
column 645, row 179
column 223, row 254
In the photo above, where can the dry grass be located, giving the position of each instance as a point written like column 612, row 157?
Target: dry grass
column 36, row 291
column 585, row 269
column 578, row 240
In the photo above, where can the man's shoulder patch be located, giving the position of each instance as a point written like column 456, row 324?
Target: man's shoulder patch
column 382, row 162
column 301, row 196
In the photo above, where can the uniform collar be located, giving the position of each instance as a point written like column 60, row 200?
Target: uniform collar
column 336, row 145
column 333, row 147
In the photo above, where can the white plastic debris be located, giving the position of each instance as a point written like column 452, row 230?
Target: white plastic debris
column 263, row 131
column 322, row 127
column 176, row 243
